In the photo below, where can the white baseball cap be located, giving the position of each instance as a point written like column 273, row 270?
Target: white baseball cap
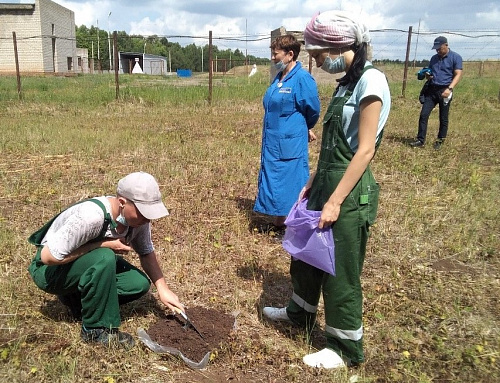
column 142, row 189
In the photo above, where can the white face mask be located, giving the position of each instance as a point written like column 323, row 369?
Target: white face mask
column 121, row 219
column 280, row 66
column 334, row 66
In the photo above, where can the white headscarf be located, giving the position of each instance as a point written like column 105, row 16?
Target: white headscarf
column 335, row 29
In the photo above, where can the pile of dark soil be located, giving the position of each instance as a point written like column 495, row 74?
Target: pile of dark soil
column 215, row 326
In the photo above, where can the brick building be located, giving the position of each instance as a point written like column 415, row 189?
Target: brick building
column 45, row 35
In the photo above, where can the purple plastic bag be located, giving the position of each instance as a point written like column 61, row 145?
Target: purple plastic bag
column 305, row 241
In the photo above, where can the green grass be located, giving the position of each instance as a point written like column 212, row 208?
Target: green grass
column 431, row 273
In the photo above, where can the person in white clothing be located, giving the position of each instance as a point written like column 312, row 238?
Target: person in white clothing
column 79, row 257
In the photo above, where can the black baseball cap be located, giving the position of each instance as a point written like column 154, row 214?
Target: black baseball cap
column 439, row 41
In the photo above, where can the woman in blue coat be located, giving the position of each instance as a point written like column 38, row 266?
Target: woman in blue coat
column 292, row 107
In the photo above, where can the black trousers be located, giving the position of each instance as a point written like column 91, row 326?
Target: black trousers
column 432, row 97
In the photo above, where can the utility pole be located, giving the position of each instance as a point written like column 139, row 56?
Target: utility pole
column 246, row 49
column 116, row 60
column 109, row 45
column 98, row 49
column 416, row 44
column 98, row 55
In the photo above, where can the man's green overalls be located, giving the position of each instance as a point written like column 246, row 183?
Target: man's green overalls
column 342, row 293
column 99, row 279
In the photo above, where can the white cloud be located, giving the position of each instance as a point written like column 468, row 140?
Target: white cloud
column 492, row 17
column 227, row 18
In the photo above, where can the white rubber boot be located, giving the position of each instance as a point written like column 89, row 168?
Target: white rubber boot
column 325, row 358
column 276, row 314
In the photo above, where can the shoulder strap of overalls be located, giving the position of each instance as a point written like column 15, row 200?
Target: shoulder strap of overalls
column 37, row 237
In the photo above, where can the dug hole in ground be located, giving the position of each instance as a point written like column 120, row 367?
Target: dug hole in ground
column 171, row 334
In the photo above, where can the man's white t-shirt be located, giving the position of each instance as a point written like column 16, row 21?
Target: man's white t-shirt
column 372, row 83
column 83, row 222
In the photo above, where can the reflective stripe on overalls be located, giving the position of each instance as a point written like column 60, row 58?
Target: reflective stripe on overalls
column 342, row 293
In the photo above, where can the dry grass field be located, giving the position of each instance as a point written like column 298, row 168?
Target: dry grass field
column 431, row 278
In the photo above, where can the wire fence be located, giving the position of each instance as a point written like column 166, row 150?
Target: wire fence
column 472, row 45
column 387, row 44
column 61, row 59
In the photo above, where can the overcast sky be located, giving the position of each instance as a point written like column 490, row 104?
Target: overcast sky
column 254, row 19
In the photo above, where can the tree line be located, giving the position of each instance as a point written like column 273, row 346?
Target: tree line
column 188, row 57
column 417, row 63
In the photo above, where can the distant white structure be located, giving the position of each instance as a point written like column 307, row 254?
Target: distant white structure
column 83, row 63
column 137, row 67
column 253, row 71
column 149, row 64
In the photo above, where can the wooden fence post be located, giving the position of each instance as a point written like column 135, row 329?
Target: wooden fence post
column 210, row 68
column 405, row 74
column 17, row 66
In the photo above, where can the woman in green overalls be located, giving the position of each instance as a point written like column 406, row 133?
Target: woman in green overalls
column 342, row 188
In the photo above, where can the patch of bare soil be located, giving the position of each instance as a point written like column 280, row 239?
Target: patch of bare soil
column 172, row 331
column 451, row 266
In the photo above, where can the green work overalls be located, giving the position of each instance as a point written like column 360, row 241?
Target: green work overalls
column 99, row 279
column 342, row 293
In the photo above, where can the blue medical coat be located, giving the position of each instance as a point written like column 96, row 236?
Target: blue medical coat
column 291, row 108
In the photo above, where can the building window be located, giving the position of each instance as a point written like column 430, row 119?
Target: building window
column 70, row 63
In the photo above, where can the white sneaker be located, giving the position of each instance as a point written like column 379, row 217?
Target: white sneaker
column 276, row 314
column 325, row 358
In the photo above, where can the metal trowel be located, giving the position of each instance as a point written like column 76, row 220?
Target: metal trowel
column 188, row 322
